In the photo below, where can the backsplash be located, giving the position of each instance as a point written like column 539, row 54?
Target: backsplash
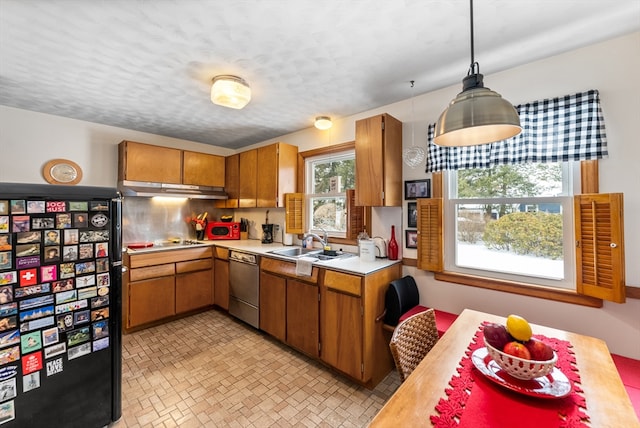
column 158, row 219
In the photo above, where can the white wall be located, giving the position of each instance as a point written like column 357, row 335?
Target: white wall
column 28, row 140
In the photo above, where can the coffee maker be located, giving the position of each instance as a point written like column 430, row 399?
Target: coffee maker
column 267, row 233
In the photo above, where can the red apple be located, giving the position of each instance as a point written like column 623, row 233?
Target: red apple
column 517, row 349
column 539, row 350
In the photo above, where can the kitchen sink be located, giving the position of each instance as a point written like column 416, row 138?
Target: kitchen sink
column 316, row 253
column 296, row 252
column 338, row 255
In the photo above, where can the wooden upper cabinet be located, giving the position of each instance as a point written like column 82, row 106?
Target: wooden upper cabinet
column 379, row 161
column 232, row 180
column 277, row 174
column 248, row 178
column 145, row 162
column 203, row 169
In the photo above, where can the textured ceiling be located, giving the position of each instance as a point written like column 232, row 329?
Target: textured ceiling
column 147, row 65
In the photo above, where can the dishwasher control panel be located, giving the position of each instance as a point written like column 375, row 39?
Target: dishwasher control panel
column 239, row 256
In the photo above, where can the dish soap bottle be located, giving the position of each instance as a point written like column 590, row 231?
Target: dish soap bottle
column 392, row 252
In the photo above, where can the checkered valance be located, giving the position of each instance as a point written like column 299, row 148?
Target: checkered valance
column 553, row 130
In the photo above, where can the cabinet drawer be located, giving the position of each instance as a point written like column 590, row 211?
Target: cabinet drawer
column 170, row 256
column 221, row 253
column 194, row 265
column 288, row 269
column 151, row 272
column 344, row 282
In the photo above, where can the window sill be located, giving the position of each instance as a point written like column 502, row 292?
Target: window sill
column 523, row 289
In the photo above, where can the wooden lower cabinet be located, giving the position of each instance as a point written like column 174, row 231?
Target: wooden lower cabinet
column 151, row 300
column 303, row 316
column 160, row 285
column 351, row 339
column 342, row 332
column 340, row 328
column 289, row 307
column 273, row 305
column 221, row 278
column 194, row 290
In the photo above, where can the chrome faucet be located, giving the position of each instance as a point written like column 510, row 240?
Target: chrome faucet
column 324, row 240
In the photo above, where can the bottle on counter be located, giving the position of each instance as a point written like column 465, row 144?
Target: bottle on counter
column 392, row 252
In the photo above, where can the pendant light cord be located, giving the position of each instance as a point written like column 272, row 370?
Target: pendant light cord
column 474, row 68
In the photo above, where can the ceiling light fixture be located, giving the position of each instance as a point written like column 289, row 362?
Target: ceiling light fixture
column 323, row 122
column 230, row 91
column 477, row 115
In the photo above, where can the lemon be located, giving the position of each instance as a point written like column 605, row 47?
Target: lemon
column 519, row 328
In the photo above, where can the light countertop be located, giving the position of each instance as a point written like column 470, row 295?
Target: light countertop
column 255, row 246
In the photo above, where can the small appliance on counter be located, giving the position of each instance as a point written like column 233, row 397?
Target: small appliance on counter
column 367, row 250
column 381, row 247
column 267, row 233
column 219, row 230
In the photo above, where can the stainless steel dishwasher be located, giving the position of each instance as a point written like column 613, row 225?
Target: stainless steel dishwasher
column 244, row 287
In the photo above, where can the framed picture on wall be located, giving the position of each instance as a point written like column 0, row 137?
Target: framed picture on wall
column 412, row 214
column 411, row 238
column 415, row 189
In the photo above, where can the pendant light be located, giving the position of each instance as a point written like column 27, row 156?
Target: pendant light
column 477, row 115
column 413, row 156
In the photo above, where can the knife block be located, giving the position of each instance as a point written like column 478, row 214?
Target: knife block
column 244, row 235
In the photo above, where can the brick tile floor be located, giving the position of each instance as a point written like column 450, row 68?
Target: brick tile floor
column 210, row 370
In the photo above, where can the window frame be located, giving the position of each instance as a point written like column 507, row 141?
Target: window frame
column 589, row 183
column 302, row 174
column 308, row 191
column 571, row 178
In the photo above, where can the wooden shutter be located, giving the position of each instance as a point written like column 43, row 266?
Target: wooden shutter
column 430, row 232
column 356, row 222
column 294, row 212
column 600, row 246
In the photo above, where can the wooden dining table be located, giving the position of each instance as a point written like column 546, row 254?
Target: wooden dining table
column 412, row 405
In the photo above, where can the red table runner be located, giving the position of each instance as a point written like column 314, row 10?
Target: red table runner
column 475, row 401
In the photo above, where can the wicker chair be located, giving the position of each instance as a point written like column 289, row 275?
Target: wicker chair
column 412, row 339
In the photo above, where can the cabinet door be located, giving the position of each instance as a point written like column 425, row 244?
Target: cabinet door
column 341, row 331
column 272, row 305
column 151, row 300
column 248, row 178
column 144, row 162
column 194, row 290
column 267, row 185
column 302, row 316
column 231, row 182
column 203, row 169
column 379, row 161
column 221, row 283
column 369, row 155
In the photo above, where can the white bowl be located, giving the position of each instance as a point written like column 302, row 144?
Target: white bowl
column 519, row 367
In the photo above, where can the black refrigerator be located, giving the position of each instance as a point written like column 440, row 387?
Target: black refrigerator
column 60, row 304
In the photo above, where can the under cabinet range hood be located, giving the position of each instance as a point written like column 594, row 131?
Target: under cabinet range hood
column 150, row 189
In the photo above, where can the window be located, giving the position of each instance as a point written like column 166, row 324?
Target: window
column 327, row 179
column 512, row 222
column 494, row 194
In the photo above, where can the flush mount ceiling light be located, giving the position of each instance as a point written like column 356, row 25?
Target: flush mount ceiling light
column 230, row 91
column 323, row 122
column 477, row 115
